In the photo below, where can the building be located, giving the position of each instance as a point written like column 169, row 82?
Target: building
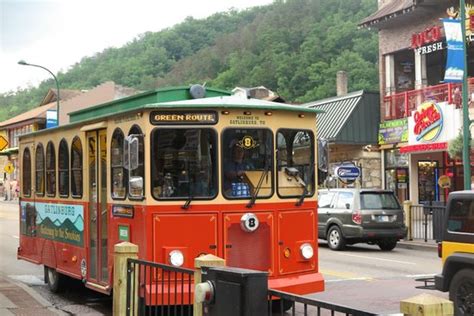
column 35, row 119
column 350, row 127
column 420, row 112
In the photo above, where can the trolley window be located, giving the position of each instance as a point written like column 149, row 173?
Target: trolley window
column 136, row 191
column 26, row 173
column 76, row 168
column 184, row 163
column 248, row 167
column 39, row 170
column 295, row 160
column 63, row 168
column 119, row 175
column 50, row 170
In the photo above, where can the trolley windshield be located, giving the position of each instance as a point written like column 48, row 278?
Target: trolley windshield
column 183, row 163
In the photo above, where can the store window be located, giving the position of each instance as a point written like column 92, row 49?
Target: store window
column 404, row 70
column 397, row 173
column 76, row 168
column 63, row 168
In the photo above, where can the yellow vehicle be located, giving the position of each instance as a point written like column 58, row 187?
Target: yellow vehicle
column 457, row 253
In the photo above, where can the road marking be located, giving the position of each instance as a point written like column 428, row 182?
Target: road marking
column 343, row 275
column 351, row 279
column 381, row 259
column 16, row 237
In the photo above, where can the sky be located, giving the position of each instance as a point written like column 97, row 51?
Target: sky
column 56, row 34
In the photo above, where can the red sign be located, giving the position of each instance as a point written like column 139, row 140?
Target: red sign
column 430, row 35
column 424, row 147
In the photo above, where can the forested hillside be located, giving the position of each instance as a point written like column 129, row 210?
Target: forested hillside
column 294, row 47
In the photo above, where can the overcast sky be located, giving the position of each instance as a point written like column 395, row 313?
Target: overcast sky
column 58, row 33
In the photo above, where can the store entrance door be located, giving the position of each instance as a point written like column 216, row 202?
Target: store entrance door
column 428, row 175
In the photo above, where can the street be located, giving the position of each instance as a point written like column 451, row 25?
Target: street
column 360, row 277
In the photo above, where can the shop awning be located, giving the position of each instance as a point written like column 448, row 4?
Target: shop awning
column 349, row 119
column 398, row 8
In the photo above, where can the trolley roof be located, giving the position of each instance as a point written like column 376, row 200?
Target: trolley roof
column 176, row 98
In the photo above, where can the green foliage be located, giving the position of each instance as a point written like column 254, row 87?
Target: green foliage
column 294, row 47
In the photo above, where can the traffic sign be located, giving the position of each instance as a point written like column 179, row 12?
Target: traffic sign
column 9, row 168
column 3, row 143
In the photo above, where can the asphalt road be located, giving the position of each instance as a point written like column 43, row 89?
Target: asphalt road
column 361, row 277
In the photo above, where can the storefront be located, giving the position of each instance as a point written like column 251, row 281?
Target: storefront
column 420, row 111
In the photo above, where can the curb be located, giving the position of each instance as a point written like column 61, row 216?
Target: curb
column 417, row 246
column 36, row 296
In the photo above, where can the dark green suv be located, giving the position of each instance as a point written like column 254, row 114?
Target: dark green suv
column 349, row 216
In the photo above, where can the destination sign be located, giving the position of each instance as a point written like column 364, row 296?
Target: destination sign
column 178, row 118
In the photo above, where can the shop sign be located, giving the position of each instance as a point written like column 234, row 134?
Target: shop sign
column 431, row 48
column 428, row 121
column 432, row 125
column 444, row 182
column 428, row 36
column 347, row 172
column 394, row 131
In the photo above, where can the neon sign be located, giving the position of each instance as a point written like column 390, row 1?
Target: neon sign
column 428, row 121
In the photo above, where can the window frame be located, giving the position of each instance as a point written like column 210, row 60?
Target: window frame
column 63, row 149
column 80, row 168
column 271, row 168
column 216, row 169
column 50, row 172
column 313, row 162
column 142, row 164
column 118, row 132
column 40, row 171
column 26, row 181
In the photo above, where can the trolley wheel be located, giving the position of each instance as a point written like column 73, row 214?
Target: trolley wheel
column 55, row 279
column 336, row 240
column 461, row 292
column 387, row 244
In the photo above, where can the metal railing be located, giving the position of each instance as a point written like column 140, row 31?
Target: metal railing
column 400, row 105
column 158, row 289
column 280, row 302
column 426, row 222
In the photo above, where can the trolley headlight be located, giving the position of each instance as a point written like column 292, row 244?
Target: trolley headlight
column 307, row 251
column 176, row 258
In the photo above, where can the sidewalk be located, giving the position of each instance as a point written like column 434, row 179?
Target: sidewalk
column 18, row 299
column 418, row 244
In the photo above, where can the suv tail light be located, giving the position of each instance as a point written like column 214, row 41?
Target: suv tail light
column 440, row 249
column 357, row 217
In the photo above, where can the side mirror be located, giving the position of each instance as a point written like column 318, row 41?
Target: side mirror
column 135, row 186
column 130, row 152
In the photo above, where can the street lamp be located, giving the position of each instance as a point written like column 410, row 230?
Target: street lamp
column 466, row 161
column 24, row 63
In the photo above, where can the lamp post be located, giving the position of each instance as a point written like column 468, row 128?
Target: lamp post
column 466, row 161
column 24, row 63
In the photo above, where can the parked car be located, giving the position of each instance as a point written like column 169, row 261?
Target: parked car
column 349, row 216
column 457, row 252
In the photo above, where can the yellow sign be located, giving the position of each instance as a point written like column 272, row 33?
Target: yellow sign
column 9, row 168
column 444, row 182
column 3, row 143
